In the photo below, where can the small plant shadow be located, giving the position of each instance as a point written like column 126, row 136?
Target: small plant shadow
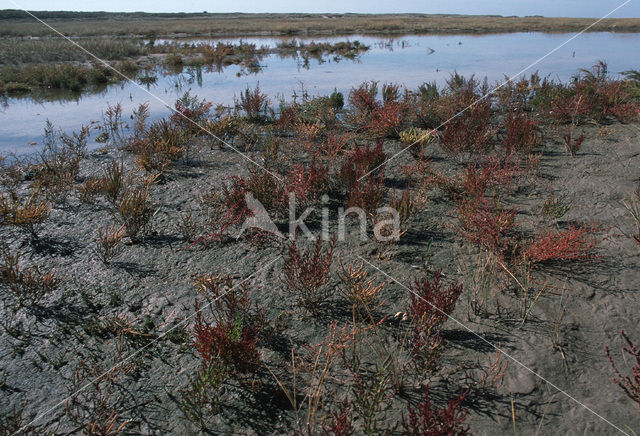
column 263, row 411
column 135, row 268
column 465, row 339
column 52, row 246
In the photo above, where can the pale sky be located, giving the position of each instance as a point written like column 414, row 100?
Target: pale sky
column 557, row 8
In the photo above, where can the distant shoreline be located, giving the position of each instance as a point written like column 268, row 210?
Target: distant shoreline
column 15, row 23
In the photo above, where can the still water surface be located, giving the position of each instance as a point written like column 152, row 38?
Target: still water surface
column 408, row 60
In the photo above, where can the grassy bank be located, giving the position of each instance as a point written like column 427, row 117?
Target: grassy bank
column 16, row 51
column 55, row 63
column 17, row 23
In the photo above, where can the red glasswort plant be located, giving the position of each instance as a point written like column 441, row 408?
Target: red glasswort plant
column 520, row 133
column 470, row 131
column 428, row 420
column 594, row 95
column 190, row 112
column 308, row 184
column 629, row 384
column 287, row 119
column 232, row 335
column 573, row 144
column 484, row 223
column 254, row 103
column 492, row 171
column 363, row 98
column 359, row 162
column 305, row 272
column 570, row 108
column 431, row 304
column 260, row 184
column 229, row 341
column 334, row 144
column 574, row 243
column 367, row 193
column 340, row 421
column 386, row 121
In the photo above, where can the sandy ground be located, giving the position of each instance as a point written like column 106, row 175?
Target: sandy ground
column 584, row 305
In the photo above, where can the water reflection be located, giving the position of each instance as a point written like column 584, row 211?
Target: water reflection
column 409, row 60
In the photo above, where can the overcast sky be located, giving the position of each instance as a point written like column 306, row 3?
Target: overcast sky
column 557, row 8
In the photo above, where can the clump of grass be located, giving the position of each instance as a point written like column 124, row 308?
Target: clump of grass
column 417, row 139
column 190, row 112
column 15, row 88
column 336, row 99
column 134, row 211
column 27, row 213
column 89, row 189
column 358, row 288
column 525, row 95
column 164, row 143
column 95, row 408
column 428, row 98
column 27, row 50
column 201, row 398
column 305, row 274
column 174, row 60
column 28, row 286
column 59, row 161
column 188, row 227
column 223, row 126
column 390, row 93
column 112, row 125
column 139, row 121
column 109, row 242
column 113, row 183
column 554, row 207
